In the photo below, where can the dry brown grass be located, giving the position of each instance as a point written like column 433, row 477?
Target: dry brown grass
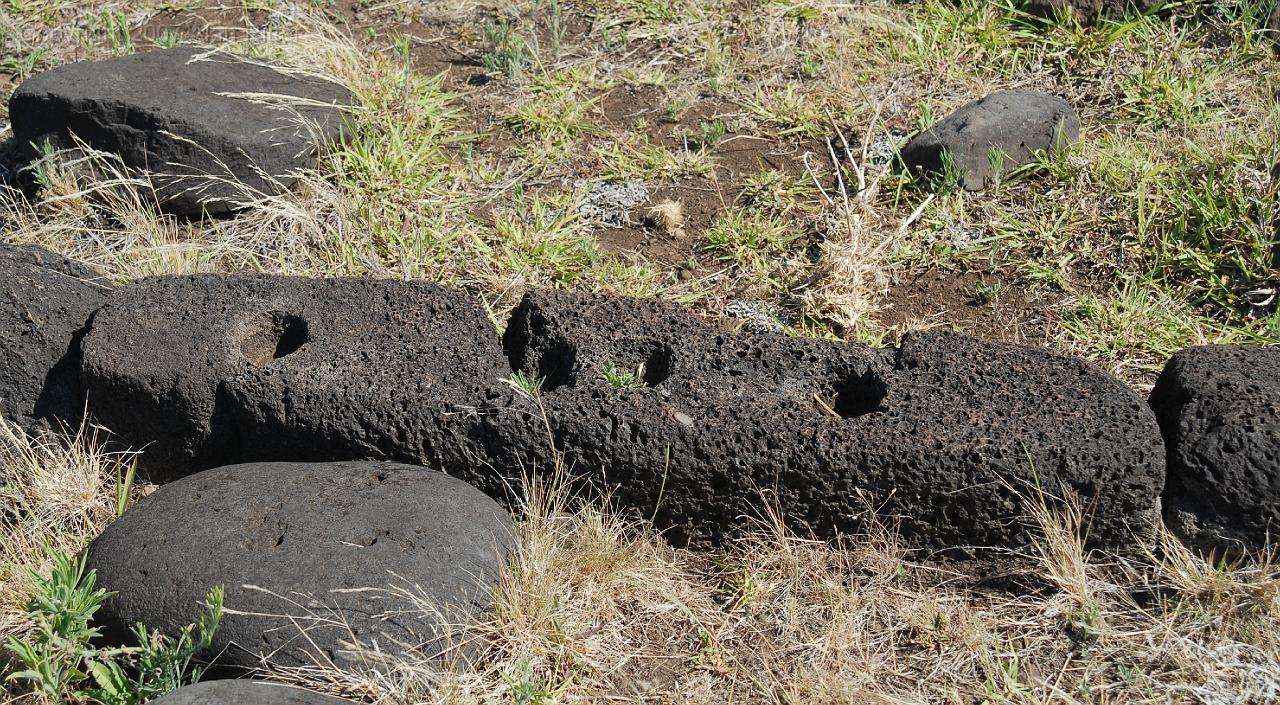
column 598, row 608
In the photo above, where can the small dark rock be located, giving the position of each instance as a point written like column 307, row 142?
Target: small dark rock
column 317, row 548
column 46, row 301
column 1018, row 123
column 243, row 692
column 208, row 125
column 1219, row 409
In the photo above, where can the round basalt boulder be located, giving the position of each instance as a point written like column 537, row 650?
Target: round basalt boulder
column 244, row 692
column 1016, row 124
column 46, row 301
column 216, row 131
column 1219, row 410
column 321, row 563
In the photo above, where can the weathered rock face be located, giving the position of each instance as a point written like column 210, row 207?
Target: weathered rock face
column 242, row 692
column 46, row 301
column 321, row 548
column 1018, row 123
column 1273, row 24
column 941, row 432
column 215, row 129
column 207, row 370
column 1219, row 408
column 1090, row 10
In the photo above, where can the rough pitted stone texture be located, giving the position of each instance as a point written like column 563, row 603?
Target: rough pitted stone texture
column 1273, row 24
column 1090, row 10
column 186, row 115
column 207, row 370
column 939, row 432
column 1017, row 122
column 1219, row 408
column 46, row 303
column 239, row 692
column 303, row 541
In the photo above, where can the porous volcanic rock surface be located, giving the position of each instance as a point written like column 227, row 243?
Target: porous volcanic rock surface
column 208, row 124
column 1090, row 10
column 321, row 548
column 1017, row 122
column 46, row 303
column 939, row 434
column 244, row 692
column 1219, row 409
column 207, row 370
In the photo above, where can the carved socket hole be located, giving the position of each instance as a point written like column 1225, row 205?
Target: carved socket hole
column 859, row 395
column 653, row 370
column 272, row 337
column 657, row 368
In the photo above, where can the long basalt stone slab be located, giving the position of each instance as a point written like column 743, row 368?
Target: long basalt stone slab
column 947, row 435
column 207, row 370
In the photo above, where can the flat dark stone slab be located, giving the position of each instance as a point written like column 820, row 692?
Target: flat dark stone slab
column 237, row 692
column 215, row 129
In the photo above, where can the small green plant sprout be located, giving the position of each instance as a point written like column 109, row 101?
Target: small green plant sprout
column 711, row 132
column 124, row 487
column 23, row 64
column 947, row 179
column 927, row 117
column 115, row 26
column 168, row 39
column 403, row 46
column 988, row 293
column 676, row 106
column 42, row 167
column 525, row 383
column 160, row 663
column 555, row 26
column 810, row 66
column 61, row 610
column 996, row 158
column 508, row 51
column 624, row 379
column 527, row 688
column 61, row 664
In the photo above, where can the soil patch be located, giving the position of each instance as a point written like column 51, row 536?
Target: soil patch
column 986, row 305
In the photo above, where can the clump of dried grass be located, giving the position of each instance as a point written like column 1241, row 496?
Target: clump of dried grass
column 852, row 273
column 667, row 217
